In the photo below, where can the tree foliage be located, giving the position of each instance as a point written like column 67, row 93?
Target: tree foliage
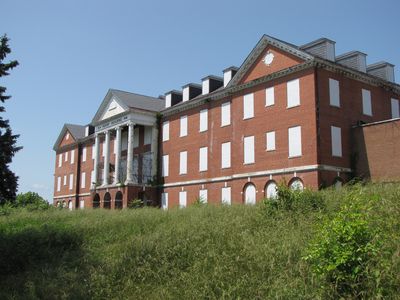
column 8, row 180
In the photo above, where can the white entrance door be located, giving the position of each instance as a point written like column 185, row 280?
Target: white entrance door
column 250, row 194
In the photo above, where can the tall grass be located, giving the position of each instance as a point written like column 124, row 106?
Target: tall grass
column 198, row 252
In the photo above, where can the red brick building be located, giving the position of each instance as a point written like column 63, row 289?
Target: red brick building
column 285, row 115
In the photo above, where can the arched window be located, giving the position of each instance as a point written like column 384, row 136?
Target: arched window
column 107, row 201
column 296, row 184
column 270, row 190
column 118, row 200
column 64, row 204
column 96, row 201
column 250, row 194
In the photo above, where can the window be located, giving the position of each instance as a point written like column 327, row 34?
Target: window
column 147, row 135
column 93, row 151
column 203, row 120
column 270, row 140
column 67, row 136
column 72, row 156
column 334, row 96
column 168, row 99
column 58, row 184
column 269, row 96
column 83, row 180
column 164, row 200
column 183, row 162
column 203, row 159
column 165, row 131
column 366, row 102
column 165, row 165
column 182, row 199
column 135, row 138
column 84, row 154
column 225, row 114
column 82, row 204
column 184, row 129
column 336, row 140
column 293, row 93
column 65, row 179
column 203, row 196
column 226, row 195
column 66, row 156
column 270, row 190
column 71, row 181
column 59, row 160
column 226, row 155
column 248, row 106
column 295, row 141
column 296, row 184
column 248, row 143
column 395, row 109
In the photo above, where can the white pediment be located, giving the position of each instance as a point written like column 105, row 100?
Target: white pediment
column 113, row 108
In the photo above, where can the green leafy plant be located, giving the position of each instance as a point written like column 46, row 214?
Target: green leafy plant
column 135, row 203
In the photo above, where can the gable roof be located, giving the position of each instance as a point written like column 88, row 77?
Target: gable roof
column 77, row 132
column 259, row 48
column 130, row 100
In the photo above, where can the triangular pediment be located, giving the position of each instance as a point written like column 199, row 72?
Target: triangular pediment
column 270, row 55
column 110, row 107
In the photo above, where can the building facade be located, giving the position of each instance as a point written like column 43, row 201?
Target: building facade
column 286, row 115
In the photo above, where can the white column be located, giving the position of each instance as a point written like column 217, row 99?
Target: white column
column 96, row 159
column 154, row 150
column 106, row 170
column 129, row 160
column 117, row 156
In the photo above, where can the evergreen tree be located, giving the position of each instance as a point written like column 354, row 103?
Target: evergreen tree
column 8, row 180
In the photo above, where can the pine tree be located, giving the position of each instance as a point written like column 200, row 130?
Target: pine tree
column 8, row 180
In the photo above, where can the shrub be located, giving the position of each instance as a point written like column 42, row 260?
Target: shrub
column 344, row 247
column 135, row 203
column 31, row 201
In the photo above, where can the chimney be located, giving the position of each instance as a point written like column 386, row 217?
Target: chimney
column 323, row 47
column 172, row 97
column 229, row 73
column 190, row 91
column 354, row 59
column 211, row 83
column 382, row 70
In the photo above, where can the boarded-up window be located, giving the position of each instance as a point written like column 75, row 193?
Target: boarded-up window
column 183, row 162
column 184, row 129
column 334, row 93
column 226, row 195
column 165, row 165
column 248, row 106
column 295, row 141
column 203, row 120
column 366, row 102
column 182, row 199
column 165, row 131
column 203, row 196
column 203, row 164
column 395, row 109
column 164, row 200
column 226, row 155
column 293, row 93
column 270, row 140
column 336, row 136
column 248, row 148
column 225, row 114
column 269, row 96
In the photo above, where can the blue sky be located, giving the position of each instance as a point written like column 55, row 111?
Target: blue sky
column 72, row 52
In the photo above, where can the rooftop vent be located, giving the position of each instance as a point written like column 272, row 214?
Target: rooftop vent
column 190, row 91
column 229, row 73
column 322, row 47
column 211, row 83
column 172, row 97
column 382, row 70
column 354, row 59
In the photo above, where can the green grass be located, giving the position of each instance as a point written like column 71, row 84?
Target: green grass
column 198, row 252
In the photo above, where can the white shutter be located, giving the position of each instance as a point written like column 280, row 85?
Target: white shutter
column 182, row 199
column 395, row 108
column 165, row 165
column 366, row 102
column 183, row 130
column 147, row 135
column 293, row 93
column 226, row 155
column 58, row 184
column 295, row 141
column 203, row 120
column 248, row 144
column 203, row 196
column 71, row 181
column 203, row 165
column 336, row 140
column 83, row 180
column 269, row 96
column 334, row 93
column 183, row 162
column 164, row 200
column 165, row 131
column 226, row 195
column 84, row 154
column 248, row 106
column 225, row 114
column 135, row 138
column 59, row 160
column 270, row 138
column 72, row 156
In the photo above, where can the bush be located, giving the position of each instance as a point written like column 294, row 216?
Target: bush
column 135, row 203
column 31, row 201
column 345, row 246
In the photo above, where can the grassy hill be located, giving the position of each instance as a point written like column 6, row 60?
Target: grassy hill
column 247, row 252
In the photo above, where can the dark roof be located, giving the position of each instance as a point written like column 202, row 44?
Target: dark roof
column 133, row 100
column 77, row 131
